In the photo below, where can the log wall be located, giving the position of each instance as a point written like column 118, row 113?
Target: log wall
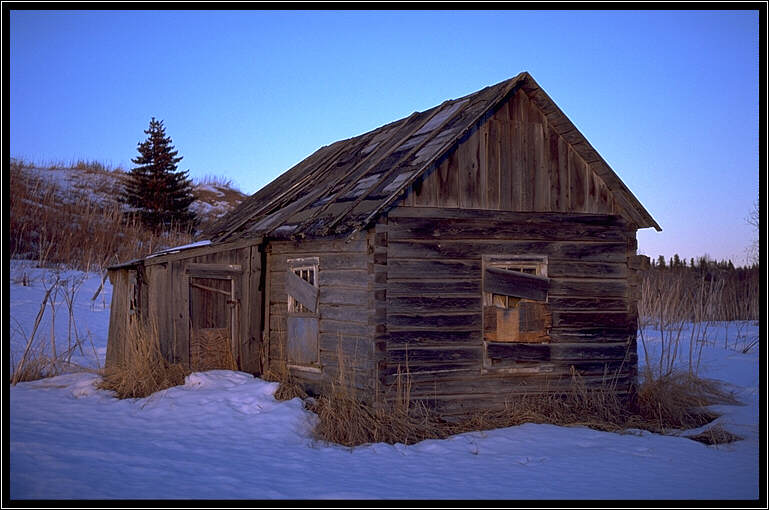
column 345, row 304
column 434, row 313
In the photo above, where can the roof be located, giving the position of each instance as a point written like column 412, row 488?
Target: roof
column 343, row 187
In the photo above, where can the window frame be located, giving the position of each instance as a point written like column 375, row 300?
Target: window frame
column 537, row 263
column 297, row 310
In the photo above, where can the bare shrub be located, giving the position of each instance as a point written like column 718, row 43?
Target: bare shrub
column 143, row 370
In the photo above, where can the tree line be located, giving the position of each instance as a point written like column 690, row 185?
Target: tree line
column 701, row 264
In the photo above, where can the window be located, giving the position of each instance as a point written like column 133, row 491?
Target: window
column 309, row 275
column 515, row 299
column 302, row 319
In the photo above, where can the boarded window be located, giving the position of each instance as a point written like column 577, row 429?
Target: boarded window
column 302, row 319
column 515, row 300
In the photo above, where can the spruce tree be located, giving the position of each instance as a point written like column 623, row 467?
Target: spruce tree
column 155, row 189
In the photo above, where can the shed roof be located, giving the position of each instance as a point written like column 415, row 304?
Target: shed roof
column 343, row 187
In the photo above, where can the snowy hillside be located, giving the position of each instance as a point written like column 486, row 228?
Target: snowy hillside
column 222, row 435
column 214, row 197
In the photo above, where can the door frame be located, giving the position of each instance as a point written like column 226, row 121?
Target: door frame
column 231, row 272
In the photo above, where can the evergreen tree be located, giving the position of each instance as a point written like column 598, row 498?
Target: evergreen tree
column 159, row 192
column 661, row 262
column 676, row 262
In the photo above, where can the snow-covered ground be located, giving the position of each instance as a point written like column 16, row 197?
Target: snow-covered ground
column 222, row 435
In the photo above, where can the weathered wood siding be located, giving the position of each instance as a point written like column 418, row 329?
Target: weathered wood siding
column 122, row 281
column 434, row 303
column 164, row 299
column 516, row 161
column 345, row 306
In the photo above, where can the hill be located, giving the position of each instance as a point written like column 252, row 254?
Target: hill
column 70, row 214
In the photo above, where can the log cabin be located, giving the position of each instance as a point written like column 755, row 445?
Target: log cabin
column 482, row 249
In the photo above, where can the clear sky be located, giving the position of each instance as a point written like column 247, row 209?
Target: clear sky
column 669, row 99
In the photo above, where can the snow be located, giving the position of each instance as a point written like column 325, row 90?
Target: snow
column 175, row 249
column 222, row 435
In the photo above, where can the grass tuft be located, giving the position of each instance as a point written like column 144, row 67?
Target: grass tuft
column 143, row 370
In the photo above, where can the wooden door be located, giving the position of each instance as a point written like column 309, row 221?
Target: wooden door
column 213, row 323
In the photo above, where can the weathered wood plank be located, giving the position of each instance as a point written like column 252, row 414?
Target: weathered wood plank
column 468, row 288
column 436, row 321
column 591, row 335
column 567, row 303
column 390, row 370
column 611, row 252
column 605, row 319
column 510, row 216
column 491, row 157
column 349, row 278
column 557, row 351
column 327, row 261
column 315, row 247
column 540, row 166
column 423, row 304
column 469, row 173
column 480, row 229
column 334, row 296
column 515, row 283
column 347, row 313
column 518, row 153
column 432, row 269
column 437, row 355
column 359, row 329
column 552, row 163
column 557, row 268
column 353, row 348
column 588, row 288
column 304, row 292
column 398, row 337
column 506, row 151
column 447, row 180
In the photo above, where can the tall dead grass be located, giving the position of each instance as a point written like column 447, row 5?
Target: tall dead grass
column 40, row 357
column 663, row 405
column 670, row 404
column 683, row 305
column 143, row 370
column 75, row 230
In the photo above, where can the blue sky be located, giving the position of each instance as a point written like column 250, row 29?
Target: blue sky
column 669, row 99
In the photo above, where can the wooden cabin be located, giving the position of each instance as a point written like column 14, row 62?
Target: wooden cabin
column 482, row 249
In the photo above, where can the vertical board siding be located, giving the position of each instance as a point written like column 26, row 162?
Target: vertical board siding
column 167, row 294
column 119, row 315
column 515, row 161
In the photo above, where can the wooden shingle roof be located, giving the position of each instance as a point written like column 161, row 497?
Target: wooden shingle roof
column 343, row 187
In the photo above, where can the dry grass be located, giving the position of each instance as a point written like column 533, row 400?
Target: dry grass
column 37, row 366
column 143, row 370
column 716, row 434
column 346, row 419
column 73, row 229
column 697, row 295
column 664, row 405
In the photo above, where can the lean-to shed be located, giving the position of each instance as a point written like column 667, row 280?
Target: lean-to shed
column 482, row 247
